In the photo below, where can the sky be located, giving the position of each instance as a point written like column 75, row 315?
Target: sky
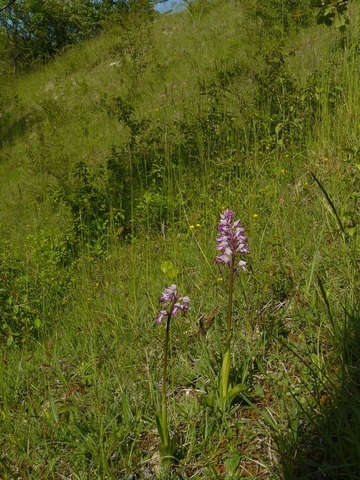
column 169, row 5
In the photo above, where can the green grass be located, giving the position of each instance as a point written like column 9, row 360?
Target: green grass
column 202, row 110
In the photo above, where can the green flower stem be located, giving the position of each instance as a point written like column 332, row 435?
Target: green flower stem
column 225, row 368
column 225, row 372
column 163, row 400
column 231, row 287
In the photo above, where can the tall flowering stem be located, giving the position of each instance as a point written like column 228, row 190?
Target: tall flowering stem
column 230, row 300
column 172, row 305
column 232, row 243
column 166, row 437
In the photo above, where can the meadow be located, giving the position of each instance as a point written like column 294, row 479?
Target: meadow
column 117, row 159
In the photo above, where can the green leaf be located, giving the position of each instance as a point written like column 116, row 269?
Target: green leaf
column 37, row 323
column 169, row 269
column 351, row 231
column 258, row 390
column 235, row 391
column 172, row 273
column 340, row 21
column 160, row 428
column 210, row 401
column 165, row 266
column 235, row 462
column 278, row 128
column 167, row 452
column 164, row 451
column 225, row 372
column 315, row 359
column 328, row 10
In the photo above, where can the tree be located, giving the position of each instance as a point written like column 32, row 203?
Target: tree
column 39, row 29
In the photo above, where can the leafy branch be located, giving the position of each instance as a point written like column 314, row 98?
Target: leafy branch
column 334, row 12
column 4, row 7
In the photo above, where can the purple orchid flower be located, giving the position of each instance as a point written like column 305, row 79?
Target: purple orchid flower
column 231, row 240
column 169, row 294
column 161, row 315
column 169, row 297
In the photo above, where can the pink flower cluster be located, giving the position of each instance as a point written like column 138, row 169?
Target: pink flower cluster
column 231, row 240
column 177, row 304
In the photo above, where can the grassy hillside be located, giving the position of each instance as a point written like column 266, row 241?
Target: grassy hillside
column 118, row 157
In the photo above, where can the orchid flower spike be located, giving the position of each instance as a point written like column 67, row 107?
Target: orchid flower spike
column 177, row 304
column 231, row 240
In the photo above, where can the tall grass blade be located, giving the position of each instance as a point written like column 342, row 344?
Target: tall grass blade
column 330, row 202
